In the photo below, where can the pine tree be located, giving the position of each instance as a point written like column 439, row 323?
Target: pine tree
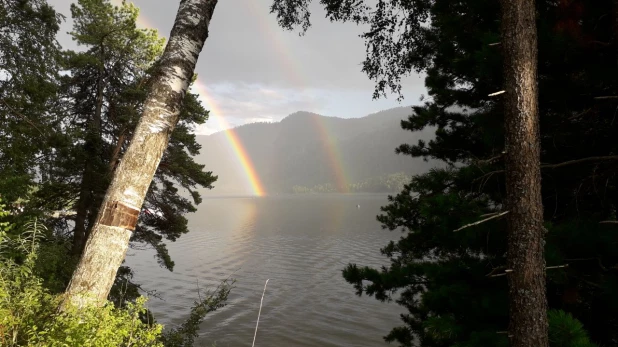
column 522, row 154
column 29, row 58
column 102, row 97
column 454, row 283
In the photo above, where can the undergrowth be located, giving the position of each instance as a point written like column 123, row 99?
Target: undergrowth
column 29, row 314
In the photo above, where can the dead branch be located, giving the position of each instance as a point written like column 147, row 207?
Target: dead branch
column 579, row 161
column 601, row 43
column 494, row 44
column 580, row 114
column 497, row 93
column 22, row 116
column 609, row 222
column 482, row 221
column 489, row 214
column 606, row 97
column 507, row 271
column 490, row 160
column 559, row 165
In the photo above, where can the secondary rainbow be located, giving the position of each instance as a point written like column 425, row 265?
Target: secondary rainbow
column 245, row 161
column 328, row 141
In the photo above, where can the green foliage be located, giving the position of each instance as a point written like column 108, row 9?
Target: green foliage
column 100, row 99
column 566, row 331
column 5, row 226
column 185, row 334
column 29, row 313
column 29, row 58
column 54, row 264
column 104, row 326
column 439, row 275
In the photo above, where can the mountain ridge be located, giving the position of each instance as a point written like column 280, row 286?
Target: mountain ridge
column 308, row 149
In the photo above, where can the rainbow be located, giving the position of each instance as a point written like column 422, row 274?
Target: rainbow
column 332, row 153
column 271, row 30
column 214, row 111
column 232, row 138
column 329, row 144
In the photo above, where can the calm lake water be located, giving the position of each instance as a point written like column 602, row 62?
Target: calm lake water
column 300, row 243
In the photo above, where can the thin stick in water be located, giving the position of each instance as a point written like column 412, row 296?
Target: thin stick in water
column 259, row 312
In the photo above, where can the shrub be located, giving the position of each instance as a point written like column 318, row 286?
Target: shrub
column 29, row 314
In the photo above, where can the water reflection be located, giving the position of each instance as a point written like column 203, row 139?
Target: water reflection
column 301, row 244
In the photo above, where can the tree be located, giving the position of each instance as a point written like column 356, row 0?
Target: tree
column 117, row 218
column 100, row 79
column 29, row 58
column 525, row 231
column 100, row 119
column 453, row 283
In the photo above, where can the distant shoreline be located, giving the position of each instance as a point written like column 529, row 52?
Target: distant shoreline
column 283, row 195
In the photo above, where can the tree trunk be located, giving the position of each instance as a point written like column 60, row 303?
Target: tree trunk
column 115, row 159
column 81, row 211
column 107, row 245
column 525, row 256
column 85, row 203
column 616, row 29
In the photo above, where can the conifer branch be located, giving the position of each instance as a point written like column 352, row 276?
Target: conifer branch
column 498, row 215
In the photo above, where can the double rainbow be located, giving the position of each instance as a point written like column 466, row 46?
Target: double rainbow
column 327, row 140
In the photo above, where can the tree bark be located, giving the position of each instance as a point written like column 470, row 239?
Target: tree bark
column 115, row 159
column 108, row 242
column 93, row 141
column 525, row 253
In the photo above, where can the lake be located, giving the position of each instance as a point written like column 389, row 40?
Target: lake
column 301, row 243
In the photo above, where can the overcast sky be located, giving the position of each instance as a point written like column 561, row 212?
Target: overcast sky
column 251, row 70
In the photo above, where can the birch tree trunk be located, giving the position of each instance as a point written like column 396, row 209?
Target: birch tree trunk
column 109, row 239
column 525, row 256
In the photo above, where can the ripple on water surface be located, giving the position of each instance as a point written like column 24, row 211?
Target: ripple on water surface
column 301, row 244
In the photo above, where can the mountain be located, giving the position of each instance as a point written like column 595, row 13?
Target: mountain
column 307, row 149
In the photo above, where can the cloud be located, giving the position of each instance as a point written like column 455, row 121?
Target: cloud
column 234, row 104
column 250, row 69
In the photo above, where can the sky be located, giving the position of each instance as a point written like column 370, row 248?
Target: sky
column 251, row 70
